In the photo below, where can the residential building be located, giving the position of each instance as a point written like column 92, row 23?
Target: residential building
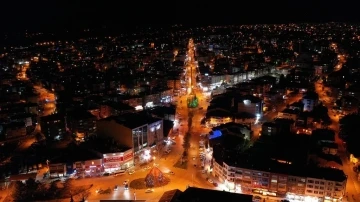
column 310, row 100
column 53, row 126
column 82, row 124
column 249, row 104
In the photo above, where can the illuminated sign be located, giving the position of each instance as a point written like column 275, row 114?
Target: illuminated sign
column 118, row 158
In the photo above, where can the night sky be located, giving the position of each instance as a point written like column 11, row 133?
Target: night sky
column 43, row 15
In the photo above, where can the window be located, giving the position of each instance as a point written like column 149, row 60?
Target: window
column 310, row 181
column 309, row 191
column 316, row 182
column 273, row 181
column 320, row 192
column 310, row 186
column 316, row 187
column 316, row 192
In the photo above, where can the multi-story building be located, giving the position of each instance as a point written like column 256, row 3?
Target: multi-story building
column 53, row 126
column 138, row 131
column 82, row 124
column 279, row 179
column 249, row 104
column 310, row 100
column 114, row 109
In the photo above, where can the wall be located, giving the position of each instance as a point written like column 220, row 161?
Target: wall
column 120, row 133
column 308, row 104
column 155, row 132
column 287, row 116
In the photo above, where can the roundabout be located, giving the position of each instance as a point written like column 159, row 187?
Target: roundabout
column 155, row 178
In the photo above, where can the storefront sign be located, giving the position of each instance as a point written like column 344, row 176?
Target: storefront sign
column 113, row 159
column 118, row 158
column 128, row 156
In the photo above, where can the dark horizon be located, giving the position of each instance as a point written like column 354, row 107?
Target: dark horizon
column 62, row 15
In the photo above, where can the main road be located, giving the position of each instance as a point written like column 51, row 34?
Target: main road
column 192, row 175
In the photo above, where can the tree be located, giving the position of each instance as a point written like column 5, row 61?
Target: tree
column 68, row 185
column 84, row 195
column 19, row 191
column 186, row 140
column 39, row 137
column 31, row 187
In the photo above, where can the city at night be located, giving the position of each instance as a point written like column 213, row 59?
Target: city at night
column 179, row 102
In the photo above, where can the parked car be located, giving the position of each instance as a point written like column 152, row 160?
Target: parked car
column 149, row 191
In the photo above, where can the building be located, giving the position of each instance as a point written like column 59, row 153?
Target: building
column 217, row 116
column 118, row 160
column 275, row 177
column 114, row 109
column 310, row 100
column 76, row 162
column 53, row 126
column 269, row 128
column 193, row 194
column 134, row 130
column 249, row 104
column 82, row 124
column 235, row 129
column 14, row 129
column 164, row 112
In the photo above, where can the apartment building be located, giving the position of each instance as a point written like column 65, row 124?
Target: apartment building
column 278, row 179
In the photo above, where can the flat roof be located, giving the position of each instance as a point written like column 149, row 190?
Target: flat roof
column 205, row 195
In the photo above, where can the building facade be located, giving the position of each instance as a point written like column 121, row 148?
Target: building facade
column 279, row 184
column 118, row 161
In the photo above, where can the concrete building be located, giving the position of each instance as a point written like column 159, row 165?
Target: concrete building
column 310, row 100
column 82, row 124
column 139, row 131
column 53, row 126
column 249, row 104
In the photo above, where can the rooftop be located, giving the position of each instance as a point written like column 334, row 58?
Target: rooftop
column 193, row 194
column 133, row 120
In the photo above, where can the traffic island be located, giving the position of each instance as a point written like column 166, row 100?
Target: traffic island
column 155, row 178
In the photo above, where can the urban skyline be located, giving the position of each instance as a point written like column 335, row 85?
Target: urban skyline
column 193, row 102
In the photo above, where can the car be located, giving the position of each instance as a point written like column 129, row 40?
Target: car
column 115, row 188
column 211, row 181
column 257, row 199
column 126, row 187
column 149, row 191
column 131, row 172
column 126, row 182
column 171, row 173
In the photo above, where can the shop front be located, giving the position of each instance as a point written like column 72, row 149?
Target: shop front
column 57, row 170
column 118, row 161
column 93, row 167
